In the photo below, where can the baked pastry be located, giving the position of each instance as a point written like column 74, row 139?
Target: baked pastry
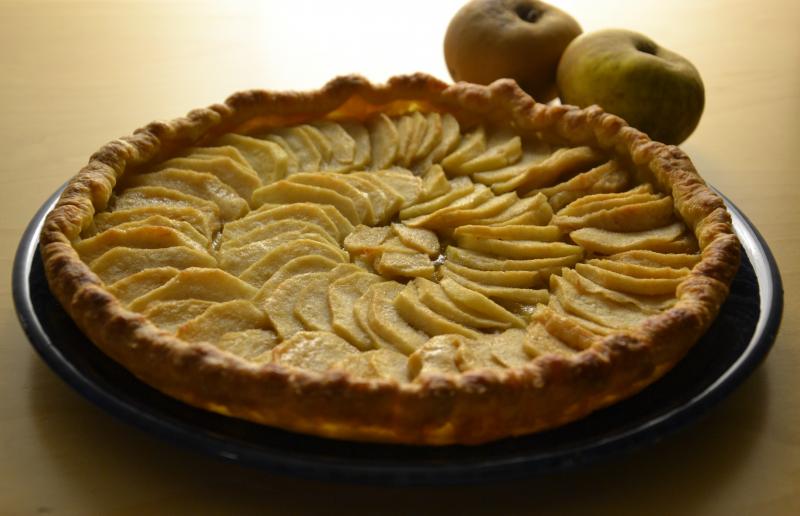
column 413, row 262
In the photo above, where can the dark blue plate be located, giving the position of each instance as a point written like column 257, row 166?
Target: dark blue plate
column 734, row 346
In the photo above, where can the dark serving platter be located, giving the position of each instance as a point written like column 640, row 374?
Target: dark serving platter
column 733, row 347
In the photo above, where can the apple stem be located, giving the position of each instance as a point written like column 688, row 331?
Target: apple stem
column 646, row 47
column 528, row 13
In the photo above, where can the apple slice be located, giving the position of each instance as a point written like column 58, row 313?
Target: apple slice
column 589, row 203
column 593, row 327
column 573, row 335
column 137, row 237
column 385, row 321
column 595, row 308
column 238, row 260
column 384, row 141
column 471, row 355
column 302, row 146
column 403, row 182
column 539, row 342
column 288, row 192
column 393, row 197
column 242, row 179
column 455, row 216
column 603, row 241
column 363, row 147
column 505, row 278
column 451, row 137
column 342, row 296
column 436, row 356
column 199, row 184
column 275, row 228
column 376, row 364
column 597, row 180
column 294, row 267
column 292, row 162
column 422, row 240
column 200, row 221
column 481, row 261
column 180, row 226
column 563, row 161
column 628, row 284
column 251, row 344
column 280, row 304
column 418, row 315
column 223, row 151
column 381, row 205
column 317, row 214
column 221, row 318
column 410, row 132
column 404, row 265
column 474, row 301
column 269, row 263
column 321, row 142
column 533, row 151
column 315, row 351
column 120, row 262
column 311, row 306
column 459, row 187
column 434, row 183
column 471, row 146
column 524, row 296
column 518, row 249
column 157, row 196
column 336, row 184
column 649, row 304
column 361, row 315
column 267, row 159
column 654, row 259
column 197, row 283
column 137, row 284
column 503, row 150
column 435, row 298
column 432, row 135
column 531, row 210
column 170, row 315
column 365, row 240
column 640, row 271
column 509, row 348
column 630, row 217
column 511, row 232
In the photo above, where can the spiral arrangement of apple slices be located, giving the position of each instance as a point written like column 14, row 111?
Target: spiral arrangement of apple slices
column 390, row 247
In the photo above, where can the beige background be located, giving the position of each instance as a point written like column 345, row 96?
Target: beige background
column 75, row 74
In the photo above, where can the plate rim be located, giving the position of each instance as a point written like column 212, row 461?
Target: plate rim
column 190, row 436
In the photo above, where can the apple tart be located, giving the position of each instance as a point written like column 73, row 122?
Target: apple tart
column 414, row 262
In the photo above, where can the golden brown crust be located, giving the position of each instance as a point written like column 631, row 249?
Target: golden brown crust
column 471, row 408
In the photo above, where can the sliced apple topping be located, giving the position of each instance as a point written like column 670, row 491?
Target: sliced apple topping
column 487, row 262
column 222, row 318
column 435, row 356
column 311, row 306
column 239, row 177
column 250, row 344
column 321, row 142
column 518, row 249
column 627, row 283
column 523, row 296
column 594, row 307
column 139, row 283
column 383, row 319
column 342, row 296
column 138, row 237
column 197, row 283
column 316, row 351
column 384, row 141
column 418, row 315
column 306, row 154
column 326, row 217
column 476, row 302
column 632, row 216
column 170, row 315
column 288, row 192
column 269, row 263
column 275, row 228
column 459, row 188
column 504, row 149
column 450, row 139
column 201, row 222
column 603, row 241
column 530, row 210
column 606, row 178
column 422, row 240
column 279, row 305
column 267, row 159
column 226, row 151
column 158, row 196
column 120, row 262
column 378, row 364
column 434, row 297
column 562, row 162
column 363, row 148
column 654, row 259
column 239, row 259
column 508, row 348
column 434, row 183
column 294, row 267
column 471, row 146
column 403, row 182
column 292, row 162
column 334, row 183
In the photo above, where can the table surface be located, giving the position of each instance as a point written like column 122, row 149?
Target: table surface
column 74, row 75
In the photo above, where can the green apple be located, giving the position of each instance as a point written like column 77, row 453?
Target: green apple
column 520, row 39
column 626, row 73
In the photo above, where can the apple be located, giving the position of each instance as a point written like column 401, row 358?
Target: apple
column 628, row 74
column 520, row 39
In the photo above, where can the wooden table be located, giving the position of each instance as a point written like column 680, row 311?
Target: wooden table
column 76, row 74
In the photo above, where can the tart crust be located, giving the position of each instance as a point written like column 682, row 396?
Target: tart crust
column 469, row 408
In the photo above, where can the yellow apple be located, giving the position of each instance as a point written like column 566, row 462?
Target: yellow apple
column 521, row 39
column 626, row 73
